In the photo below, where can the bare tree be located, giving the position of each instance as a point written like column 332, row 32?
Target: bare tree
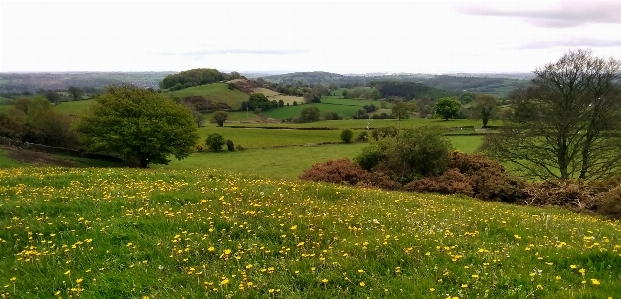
column 567, row 124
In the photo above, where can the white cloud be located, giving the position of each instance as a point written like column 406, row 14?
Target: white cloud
column 344, row 37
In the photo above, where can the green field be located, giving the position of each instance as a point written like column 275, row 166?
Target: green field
column 6, row 162
column 287, row 162
column 257, row 138
column 133, row 233
column 216, row 92
column 74, row 107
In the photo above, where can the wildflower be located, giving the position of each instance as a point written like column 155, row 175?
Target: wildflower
column 325, row 280
column 557, row 278
column 300, row 244
column 475, row 276
column 68, row 271
column 249, row 266
column 225, row 282
column 582, row 271
column 362, row 284
column 539, row 287
column 79, row 280
column 13, row 279
column 573, row 266
column 431, row 289
column 594, row 281
column 465, row 285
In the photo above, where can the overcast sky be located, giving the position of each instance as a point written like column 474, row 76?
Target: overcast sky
column 341, row 37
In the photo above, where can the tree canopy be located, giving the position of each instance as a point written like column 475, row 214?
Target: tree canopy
column 142, row 126
column 447, row 108
column 484, row 107
column 566, row 124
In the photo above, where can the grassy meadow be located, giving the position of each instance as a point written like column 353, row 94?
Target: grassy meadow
column 74, row 107
column 217, row 92
column 130, row 233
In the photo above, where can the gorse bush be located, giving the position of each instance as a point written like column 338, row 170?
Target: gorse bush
column 341, row 171
column 450, row 182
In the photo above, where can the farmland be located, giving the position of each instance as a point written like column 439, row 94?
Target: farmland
column 216, row 92
column 202, row 233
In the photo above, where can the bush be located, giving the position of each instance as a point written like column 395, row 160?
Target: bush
column 230, row 146
column 199, row 148
column 610, row 203
column 219, row 117
column 488, row 178
column 577, row 196
column 450, row 182
column 215, row 142
column 341, row 171
column 383, row 132
column 370, row 156
column 363, row 136
column 239, row 147
column 347, row 135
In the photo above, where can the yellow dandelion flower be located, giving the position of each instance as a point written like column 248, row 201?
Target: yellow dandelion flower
column 249, row 266
column 432, row 289
column 594, row 281
column 582, row 271
column 465, row 285
column 68, row 271
column 79, row 280
column 557, row 278
column 362, row 284
column 13, row 279
column 573, row 266
column 225, row 282
column 325, row 280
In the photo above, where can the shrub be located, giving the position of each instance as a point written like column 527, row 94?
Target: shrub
column 215, row 142
column 383, row 132
column 577, row 196
column 370, row 156
column 347, row 135
column 610, row 203
column 363, row 136
column 450, row 182
column 341, row 171
column 239, row 147
column 219, row 117
column 199, row 148
column 230, row 145
column 488, row 178
column 295, row 103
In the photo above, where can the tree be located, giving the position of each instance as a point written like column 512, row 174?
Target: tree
column 566, row 124
column 281, row 103
column 344, row 93
column 484, row 107
column 199, row 118
column 13, row 123
column 258, row 100
column 374, row 94
column 400, row 111
column 219, row 117
column 142, row 126
column 347, row 135
column 215, row 142
column 310, row 114
column 75, row 92
column 52, row 96
column 447, row 108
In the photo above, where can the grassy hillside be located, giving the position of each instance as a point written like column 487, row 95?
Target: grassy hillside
column 74, row 107
column 128, row 233
column 217, row 92
column 4, row 101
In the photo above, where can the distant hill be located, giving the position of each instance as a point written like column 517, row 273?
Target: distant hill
column 19, row 82
column 215, row 92
column 499, row 86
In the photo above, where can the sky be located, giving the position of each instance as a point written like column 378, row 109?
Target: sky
column 286, row 36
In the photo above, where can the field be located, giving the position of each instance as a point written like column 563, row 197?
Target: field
column 217, row 92
column 257, row 138
column 74, row 107
column 347, row 107
column 129, row 233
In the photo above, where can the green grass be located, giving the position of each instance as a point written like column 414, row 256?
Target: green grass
column 258, row 138
column 376, row 123
column 4, row 101
column 6, row 162
column 287, row 162
column 129, row 233
column 75, row 107
column 347, row 107
column 217, row 92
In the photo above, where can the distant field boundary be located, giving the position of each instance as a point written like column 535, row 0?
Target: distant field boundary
column 58, row 150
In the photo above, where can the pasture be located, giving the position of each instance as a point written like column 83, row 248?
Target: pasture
column 74, row 107
column 132, row 233
column 216, row 92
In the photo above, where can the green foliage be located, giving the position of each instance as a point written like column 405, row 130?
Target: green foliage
column 141, row 126
column 310, row 114
column 219, row 117
column 400, row 111
column 484, row 108
column 230, row 145
column 215, row 142
column 447, row 108
column 75, row 92
column 347, row 135
column 363, row 136
column 13, row 123
column 189, row 78
column 370, row 156
column 384, row 132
